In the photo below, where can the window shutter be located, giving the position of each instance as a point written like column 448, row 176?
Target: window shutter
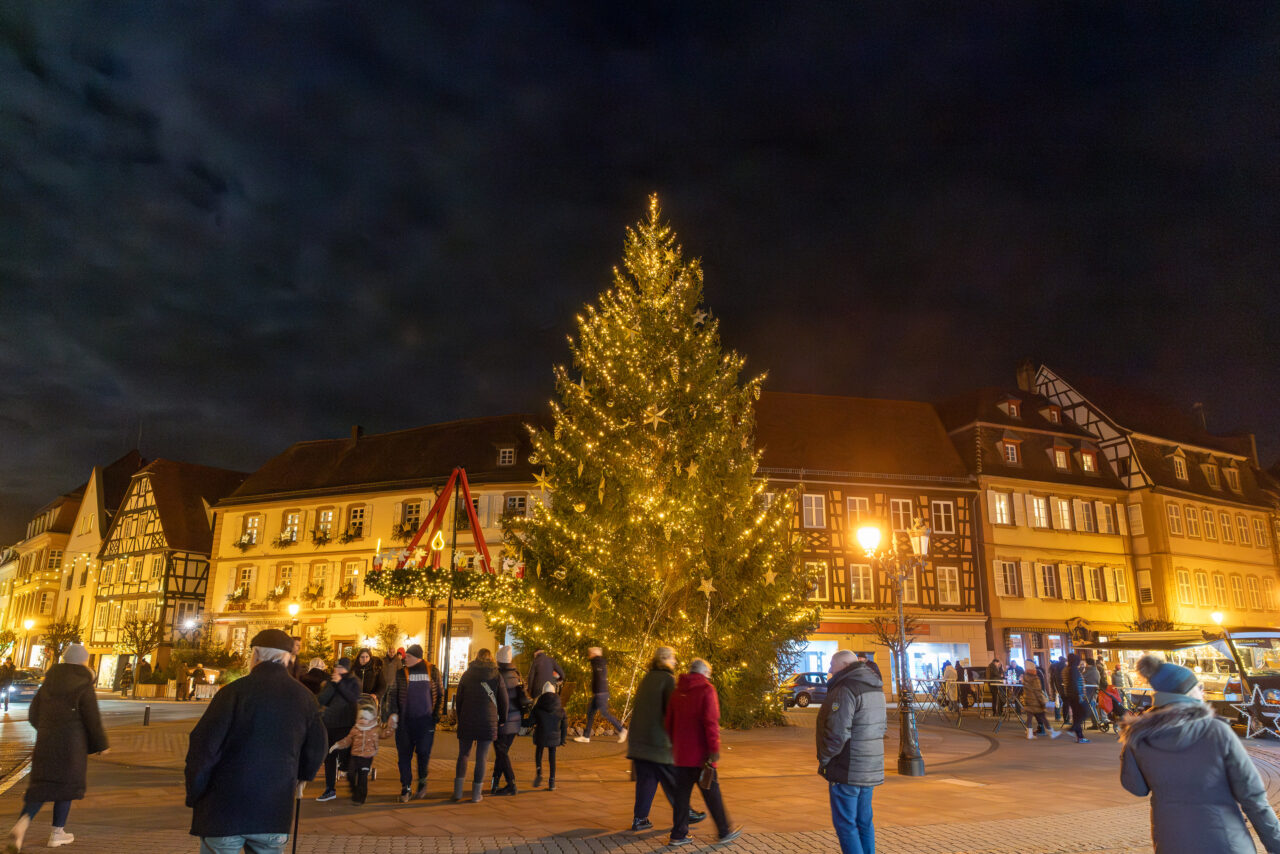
column 1054, row 521
column 1028, row 580
column 1145, row 596
column 1019, row 509
column 998, row 574
column 1031, row 509
column 398, row 518
column 1136, row 525
column 1064, row 581
column 1077, row 511
column 1109, row 582
column 1122, row 522
column 1100, row 516
column 1090, row 592
column 991, row 505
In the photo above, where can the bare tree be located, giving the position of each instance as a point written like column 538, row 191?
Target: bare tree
column 7, row 639
column 59, row 635
column 138, row 638
column 887, row 634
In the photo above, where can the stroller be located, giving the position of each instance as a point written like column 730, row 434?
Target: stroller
column 1111, row 704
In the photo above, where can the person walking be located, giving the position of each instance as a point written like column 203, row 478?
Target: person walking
column 64, row 713
column 544, row 669
column 1073, row 692
column 126, row 681
column 1091, row 674
column 362, row 744
column 1034, row 701
column 600, row 698
column 550, row 730
column 144, row 671
column 949, row 677
column 693, row 723
column 260, row 738
column 518, row 703
column 1060, row 712
column 369, row 673
column 338, row 711
column 1195, row 769
column 7, row 672
column 415, row 702
column 850, row 738
column 198, row 678
column 181, row 677
column 480, row 703
column 648, row 745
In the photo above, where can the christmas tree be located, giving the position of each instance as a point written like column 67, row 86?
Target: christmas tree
column 655, row 530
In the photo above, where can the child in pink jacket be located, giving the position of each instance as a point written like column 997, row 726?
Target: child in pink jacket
column 363, row 741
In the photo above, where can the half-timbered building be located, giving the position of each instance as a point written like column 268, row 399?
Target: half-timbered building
column 1051, row 528
column 1200, row 521
column 155, row 557
column 858, row 461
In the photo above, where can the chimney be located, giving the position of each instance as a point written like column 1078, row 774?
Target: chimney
column 1027, row 375
column 356, row 432
column 1197, row 409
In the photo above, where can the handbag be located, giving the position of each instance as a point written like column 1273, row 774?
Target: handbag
column 707, row 778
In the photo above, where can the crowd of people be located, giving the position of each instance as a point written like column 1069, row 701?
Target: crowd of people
column 265, row 735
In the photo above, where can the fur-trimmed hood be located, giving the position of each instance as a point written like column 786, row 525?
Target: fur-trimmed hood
column 1171, row 728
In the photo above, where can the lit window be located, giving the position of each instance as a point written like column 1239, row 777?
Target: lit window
column 1210, row 527
column 1010, row 452
column 284, row 576
column 1179, row 468
column 1001, row 508
column 1227, row 535
column 1053, row 415
column 943, row 517
column 1242, row 526
column 1060, row 458
column 1220, row 590
column 1007, row 580
column 324, row 522
column 948, row 585
column 355, row 521
column 1062, row 513
column 1255, row 593
column 1211, row 475
column 351, row 576
column 858, row 509
column 252, row 527
column 1087, row 461
column 814, row 508
column 506, row 456
column 901, row 512
column 1039, row 511
column 860, row 589
column 1087, row 520
column 1237, row 592
column 1193, row 522
column 1202, row 587
column 1184, row 587
column 1175, row 519
column 292, row 521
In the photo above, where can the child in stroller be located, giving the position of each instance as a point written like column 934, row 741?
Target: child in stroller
column 1111, row 704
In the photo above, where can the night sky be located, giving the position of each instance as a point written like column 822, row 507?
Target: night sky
column 231, row 226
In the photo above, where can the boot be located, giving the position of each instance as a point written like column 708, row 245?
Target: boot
column 494, row 789
column 422, row 789
column 60, row 837
column 1031, row 734
column 458, row 783
column 18, row 833
column 551, row 784
column 476, row 790
column 537, row 778
column 509, row 789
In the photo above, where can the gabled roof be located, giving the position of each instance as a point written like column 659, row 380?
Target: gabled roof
column 855, row 435
column 1156, row 461
column 181, row 492
column 981, row 405
column 1142, row 412
column 115, row 481
column 395, row 460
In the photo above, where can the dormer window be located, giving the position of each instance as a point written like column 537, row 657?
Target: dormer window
column 1061, row 458
column 1179, row 467
column 507, row 456
column 1233, row 478
column 1009, row 448
column 1210, row 474
column 1054, row 416
column 1088, row 462
column 1012, row 408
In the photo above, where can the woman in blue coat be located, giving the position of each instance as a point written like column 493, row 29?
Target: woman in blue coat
column 1195, row 769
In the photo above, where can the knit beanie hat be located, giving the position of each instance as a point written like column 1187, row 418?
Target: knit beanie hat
column 415, row 650
column 76, row 654
column 504, row 655
column 1170, row 681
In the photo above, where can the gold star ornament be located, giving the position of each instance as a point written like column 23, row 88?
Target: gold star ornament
column 653, row 417
column 706, row 587
column 769, row 577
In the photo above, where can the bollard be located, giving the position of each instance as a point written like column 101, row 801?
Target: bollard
column 146, row 716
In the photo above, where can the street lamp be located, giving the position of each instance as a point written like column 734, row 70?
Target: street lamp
column 898, row 566
column 293, row 615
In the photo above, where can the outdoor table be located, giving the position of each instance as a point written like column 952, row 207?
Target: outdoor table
column 932, row 702
column 1009, row 698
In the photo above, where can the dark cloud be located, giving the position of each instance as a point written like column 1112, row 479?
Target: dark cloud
column 236, row 225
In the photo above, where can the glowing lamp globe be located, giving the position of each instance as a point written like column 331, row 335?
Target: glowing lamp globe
column 869, row 538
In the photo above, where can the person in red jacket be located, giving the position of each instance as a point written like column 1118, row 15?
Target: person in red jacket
column 693, row 722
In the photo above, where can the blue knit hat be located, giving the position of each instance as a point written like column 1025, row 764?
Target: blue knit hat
column 1170, row 681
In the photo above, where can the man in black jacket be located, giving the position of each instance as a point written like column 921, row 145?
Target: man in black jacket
column 850, row 735
column 338, row 701
column 260, row 738
column 543, row 669
column 415, row 701
column 600, row 698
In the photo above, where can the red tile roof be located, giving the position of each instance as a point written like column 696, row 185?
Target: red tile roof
column 181, row 492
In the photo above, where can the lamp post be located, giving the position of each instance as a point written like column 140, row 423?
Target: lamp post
column 293, row 616
column 27, row 624
column 898, row 566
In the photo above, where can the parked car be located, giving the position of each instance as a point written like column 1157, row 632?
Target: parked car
column 802, row 689
column 25, row 684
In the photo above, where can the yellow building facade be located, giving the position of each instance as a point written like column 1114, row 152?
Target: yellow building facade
column 306, row 528
column 37, row 579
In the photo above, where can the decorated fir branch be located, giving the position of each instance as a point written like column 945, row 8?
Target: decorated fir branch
column 654, row 529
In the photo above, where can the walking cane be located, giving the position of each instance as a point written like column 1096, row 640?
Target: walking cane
column 297, row 812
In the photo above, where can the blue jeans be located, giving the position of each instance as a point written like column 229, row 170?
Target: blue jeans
column 851, row 815
column 252, row 843
column 600, row 703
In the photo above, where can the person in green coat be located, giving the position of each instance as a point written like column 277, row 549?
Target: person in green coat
column 648, row 745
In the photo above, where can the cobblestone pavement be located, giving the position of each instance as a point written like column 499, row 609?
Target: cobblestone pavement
column 985, row 793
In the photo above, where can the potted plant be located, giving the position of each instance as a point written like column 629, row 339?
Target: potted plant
column 313, row 594
column 245, row 542
column 275, row 594
column 403, row 532
column 285, row 539
column 238, row 596
column 345, row 594
column 320, row 537
column 346, row 536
